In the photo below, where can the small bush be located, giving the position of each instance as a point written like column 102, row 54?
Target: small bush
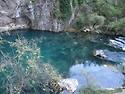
column 117, row 25
column 24, row 73
column 96, row 20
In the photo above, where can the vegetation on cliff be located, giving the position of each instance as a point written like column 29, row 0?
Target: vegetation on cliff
column 98, row 14
column 58, row 15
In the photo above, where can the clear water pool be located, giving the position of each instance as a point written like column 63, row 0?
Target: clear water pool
column 63, row 50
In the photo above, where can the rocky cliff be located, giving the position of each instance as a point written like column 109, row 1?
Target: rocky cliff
column 64, row 15
column 35, row 14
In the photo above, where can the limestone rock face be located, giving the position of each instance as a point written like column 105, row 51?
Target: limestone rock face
column 43, row 18
column 10, row 15
column 69, row 84
column 35, row 14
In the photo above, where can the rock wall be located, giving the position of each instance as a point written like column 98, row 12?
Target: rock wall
column 35, row 14
column 9, row 17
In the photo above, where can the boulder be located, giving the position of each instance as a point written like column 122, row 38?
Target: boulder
column 69, row 84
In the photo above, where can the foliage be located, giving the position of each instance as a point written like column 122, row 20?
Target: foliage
column 24, row 73
column 90, row 12
column 96, row 20
column 65, row 8
column 80, row 22
column 117, row 25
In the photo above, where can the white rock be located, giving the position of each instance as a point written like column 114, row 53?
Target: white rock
column 101, row 53
column 69, row 84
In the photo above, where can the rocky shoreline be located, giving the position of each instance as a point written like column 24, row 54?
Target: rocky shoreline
column 14, row 27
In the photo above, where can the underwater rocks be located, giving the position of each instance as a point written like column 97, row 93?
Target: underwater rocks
column 118, row 43
column 110, row 56
column 117, row 57
column 100, row 77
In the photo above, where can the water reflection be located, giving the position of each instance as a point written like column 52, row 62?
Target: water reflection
column 93, row 75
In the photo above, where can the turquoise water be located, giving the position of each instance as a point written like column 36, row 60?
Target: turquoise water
column 65, row 49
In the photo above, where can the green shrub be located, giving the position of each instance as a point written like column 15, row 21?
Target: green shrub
column 96, row 20
column 80, row 22
column 117, row 25
column 24, row 73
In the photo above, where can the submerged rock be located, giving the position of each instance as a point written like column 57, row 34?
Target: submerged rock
column 118, row 43
column 101, row 77
column 110, row 56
